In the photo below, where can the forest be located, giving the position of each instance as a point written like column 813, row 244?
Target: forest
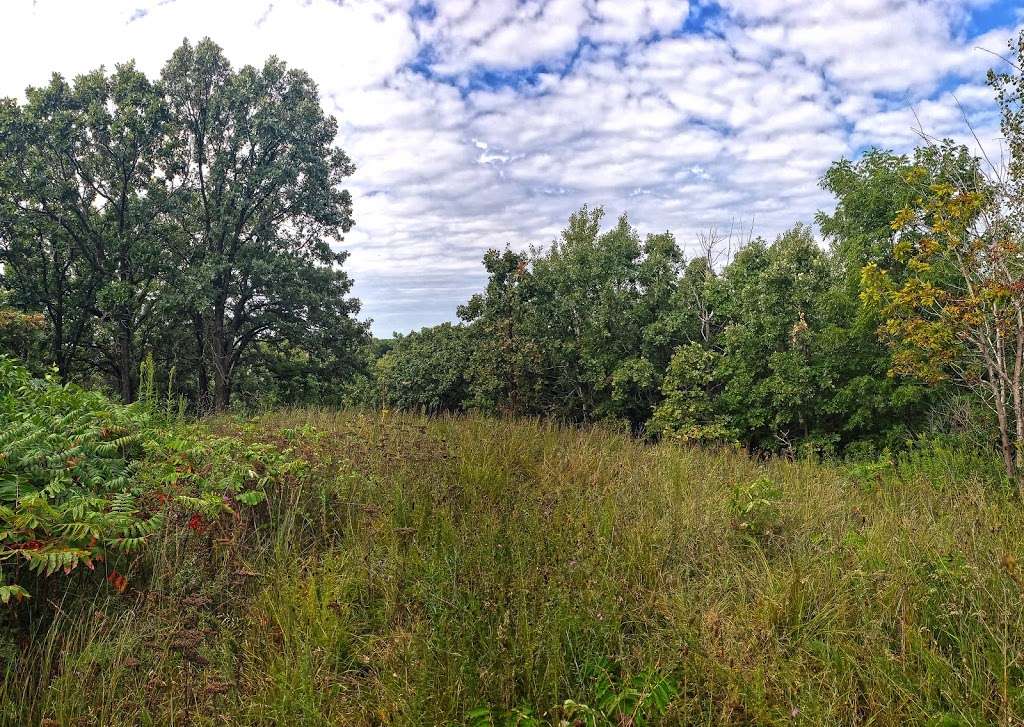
column 642, row 480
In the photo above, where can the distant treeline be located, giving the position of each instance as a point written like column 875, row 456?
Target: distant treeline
column 905, row 319
column 763, row 343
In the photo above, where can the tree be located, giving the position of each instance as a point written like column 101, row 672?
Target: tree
column 952, row 309
column 427, row 370
column 189, row 217
column 688, row 411
column 870, row 192
column 83, row 225
column 261, row 198
column 505, row 355
column 952, row 300
column 574, row 331
column 770, row 300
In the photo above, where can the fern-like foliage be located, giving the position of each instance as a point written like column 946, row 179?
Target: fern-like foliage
column 84, row 479
column 68, row 461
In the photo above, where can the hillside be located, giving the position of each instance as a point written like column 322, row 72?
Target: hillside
column 406, row 570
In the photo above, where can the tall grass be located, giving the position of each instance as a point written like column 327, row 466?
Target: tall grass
column 476, row 570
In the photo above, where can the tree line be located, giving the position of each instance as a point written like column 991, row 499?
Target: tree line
column 905, row 318
column 188, row 218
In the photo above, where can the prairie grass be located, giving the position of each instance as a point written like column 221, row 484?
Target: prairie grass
column 445, row 571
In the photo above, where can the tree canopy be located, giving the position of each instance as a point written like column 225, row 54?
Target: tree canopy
column 189, row 217
column 194, row 217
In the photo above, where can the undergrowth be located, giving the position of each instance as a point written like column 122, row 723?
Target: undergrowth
column 315, row 567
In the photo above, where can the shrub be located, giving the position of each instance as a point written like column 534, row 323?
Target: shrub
column 84, row 479
column 66, row 478
column 755, row 509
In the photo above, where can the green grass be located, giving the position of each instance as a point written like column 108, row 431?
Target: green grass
column 451, row 571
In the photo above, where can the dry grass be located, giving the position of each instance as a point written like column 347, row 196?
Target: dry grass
column 425, row 568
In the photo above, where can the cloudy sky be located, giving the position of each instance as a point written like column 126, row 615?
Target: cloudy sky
column 476, row 123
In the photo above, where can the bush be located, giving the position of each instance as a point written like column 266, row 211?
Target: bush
column 84, row 479
column 755, row 509
column 66, row 478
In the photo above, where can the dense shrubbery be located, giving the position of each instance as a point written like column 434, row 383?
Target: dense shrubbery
column 85, row 480
column 68, row 495
column 852, row 347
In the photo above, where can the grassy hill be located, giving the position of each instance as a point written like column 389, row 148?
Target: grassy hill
column 405, row 570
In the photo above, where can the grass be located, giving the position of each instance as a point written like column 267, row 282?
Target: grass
column 472, row 570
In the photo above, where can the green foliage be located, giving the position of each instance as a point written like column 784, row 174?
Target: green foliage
column 426, row 370
column 68, row 495
column 871, row 191
column 262, row 200
column 640, row 700
column 208, row 475
column 446, row 570
column 83, row 479
column 572, row 331
column 755, row 509
column 771, row 349
column 22, row 334
column 506, row 355
column 688, row 411
column 187, row 216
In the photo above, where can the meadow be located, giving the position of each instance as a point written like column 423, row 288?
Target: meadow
column 473, row 570
column 712, row 479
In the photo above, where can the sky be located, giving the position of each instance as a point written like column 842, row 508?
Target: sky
column 479, row 123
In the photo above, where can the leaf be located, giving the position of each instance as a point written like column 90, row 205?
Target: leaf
column 7, row 592
column 251, row 497
column 118, row 581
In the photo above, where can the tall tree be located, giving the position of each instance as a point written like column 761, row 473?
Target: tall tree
column 952, row 298
column 82, row 225
column 869, row 193
column 505, row 357
column 572, row 330
column 261, row 199
column 770, row 301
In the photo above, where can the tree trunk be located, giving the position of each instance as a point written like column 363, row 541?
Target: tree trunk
column 126, row 366
column 60, row 358
column 223, row 360
column 1006, row 443
column 221, row 389
column 1013, row 457
column 1017, row 384
column 202, row 375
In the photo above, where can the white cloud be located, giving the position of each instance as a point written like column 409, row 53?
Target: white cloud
column 462, row 144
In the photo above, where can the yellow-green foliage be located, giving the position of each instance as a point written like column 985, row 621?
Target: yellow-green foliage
column 473, row 570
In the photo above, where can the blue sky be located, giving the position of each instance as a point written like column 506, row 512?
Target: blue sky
column 476, row 123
